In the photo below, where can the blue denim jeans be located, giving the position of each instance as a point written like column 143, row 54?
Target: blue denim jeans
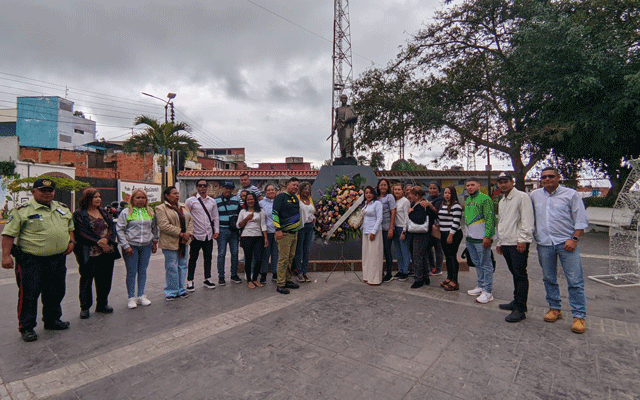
column 270, row 253
column 303, row 248
column 481, row 257
column 175, row 272
column 572, row 267
column 402, row 250
column 226, row 236
column 137, row 265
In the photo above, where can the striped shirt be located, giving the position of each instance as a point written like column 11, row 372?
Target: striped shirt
column 227, row 207
column 449, row 217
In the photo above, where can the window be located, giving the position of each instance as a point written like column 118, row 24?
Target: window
column 65, row 138
column 78, row 131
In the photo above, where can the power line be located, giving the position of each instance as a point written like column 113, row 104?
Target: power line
column 305, row 29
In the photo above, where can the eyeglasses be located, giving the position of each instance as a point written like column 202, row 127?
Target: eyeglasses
column 547, row 177
column 201, row 185
column 46, row 189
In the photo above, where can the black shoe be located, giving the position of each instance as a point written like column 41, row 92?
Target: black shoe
column 170, row 298
column 84, row 314
column 282, row 290
column 417, row 284
column 263, row 278
column 427, row 281
column 183, row 295
column 274, row 277
column 207, row 283
column 506, row 306
column 191, row 287
column 387, row 277
column 401, row 277
column 515, row 316
column 56, row 325
column 291, row 285
column 29, row 335
column 105, row 309
column 235, row 279
column 222, row 282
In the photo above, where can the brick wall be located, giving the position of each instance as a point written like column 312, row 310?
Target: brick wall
column 127, row 166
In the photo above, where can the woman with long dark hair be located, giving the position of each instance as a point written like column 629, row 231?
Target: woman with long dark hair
column 96, row 251
column 371, row 238
column 253, row 238
column 388, row 221
column 306, row 232
column 176, row 228
column 449, row 216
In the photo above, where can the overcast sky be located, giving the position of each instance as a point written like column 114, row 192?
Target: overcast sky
column 243, row 76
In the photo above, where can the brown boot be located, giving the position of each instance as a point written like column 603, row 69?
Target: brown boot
column 553, row 315
column 578, row 325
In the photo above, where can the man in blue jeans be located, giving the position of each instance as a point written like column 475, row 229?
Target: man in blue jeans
column 228, row 210
column 560, row 220
column 480, row 221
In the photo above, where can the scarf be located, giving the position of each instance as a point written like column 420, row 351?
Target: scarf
column 182, row 247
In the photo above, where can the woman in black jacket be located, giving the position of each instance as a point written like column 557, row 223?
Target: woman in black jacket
column 95, row 252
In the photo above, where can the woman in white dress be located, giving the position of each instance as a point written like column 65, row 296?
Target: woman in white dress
column 372, row 250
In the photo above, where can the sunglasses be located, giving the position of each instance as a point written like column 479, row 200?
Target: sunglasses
column 547, row 176
column 48, row 190
column 201, row 185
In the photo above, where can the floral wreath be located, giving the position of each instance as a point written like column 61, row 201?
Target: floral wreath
column 335, row 201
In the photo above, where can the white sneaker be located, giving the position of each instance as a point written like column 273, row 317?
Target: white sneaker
column 474, row 292
column 484, row 298
column 142, row 300
column 132, row 303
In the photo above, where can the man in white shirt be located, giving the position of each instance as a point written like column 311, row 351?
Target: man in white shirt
column 560, row 221
column 515, row 234
column 206, row 228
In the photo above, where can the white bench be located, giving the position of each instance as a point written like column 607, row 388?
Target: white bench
column 601, row 218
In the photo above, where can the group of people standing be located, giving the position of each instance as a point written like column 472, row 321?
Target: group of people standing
column 426, row 229
column 276, row 232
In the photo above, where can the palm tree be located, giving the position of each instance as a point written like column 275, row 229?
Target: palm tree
column 160, row 139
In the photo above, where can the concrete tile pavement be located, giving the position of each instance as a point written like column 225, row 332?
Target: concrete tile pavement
column 342, row 340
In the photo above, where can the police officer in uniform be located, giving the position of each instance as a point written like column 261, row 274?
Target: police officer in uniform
column 44, row 229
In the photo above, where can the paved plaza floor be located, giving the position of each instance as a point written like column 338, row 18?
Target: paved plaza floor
column 340, row 339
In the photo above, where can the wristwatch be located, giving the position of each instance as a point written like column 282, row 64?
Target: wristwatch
column 575, row 239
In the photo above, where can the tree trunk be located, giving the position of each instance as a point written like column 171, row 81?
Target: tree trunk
column 518, row 169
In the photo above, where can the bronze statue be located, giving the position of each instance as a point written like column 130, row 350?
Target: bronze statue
column 345, row 121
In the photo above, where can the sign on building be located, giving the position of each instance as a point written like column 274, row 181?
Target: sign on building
column 125, row 188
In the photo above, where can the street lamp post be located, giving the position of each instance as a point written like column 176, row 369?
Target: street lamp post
column 167, row 103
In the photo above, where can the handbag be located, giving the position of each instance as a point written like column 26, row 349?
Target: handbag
column 435, row 231
column 413, row 227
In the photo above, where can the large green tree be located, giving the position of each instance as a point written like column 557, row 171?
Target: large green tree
column 161, row 139
column 501, row 74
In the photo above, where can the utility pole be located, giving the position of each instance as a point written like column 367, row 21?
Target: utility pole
column 342, row 62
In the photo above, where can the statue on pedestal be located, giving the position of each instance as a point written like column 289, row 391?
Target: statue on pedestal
column 345, row 122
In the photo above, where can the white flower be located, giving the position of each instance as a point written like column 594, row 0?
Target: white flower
column 355, row 219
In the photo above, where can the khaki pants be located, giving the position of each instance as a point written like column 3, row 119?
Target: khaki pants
column 287, row 252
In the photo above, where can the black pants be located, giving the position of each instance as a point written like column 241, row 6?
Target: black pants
column 387, row 245
column 451, row 254
column 435, row 249
column 194, row 251
column 36, row 275
column 100, row 269
column 252, row 247
column 517, row 263
column 419, row 255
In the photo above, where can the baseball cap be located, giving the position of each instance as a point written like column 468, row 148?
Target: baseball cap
column 228, row 185
column 504, row 175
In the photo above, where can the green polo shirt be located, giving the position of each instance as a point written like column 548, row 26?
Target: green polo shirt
column 41, row 230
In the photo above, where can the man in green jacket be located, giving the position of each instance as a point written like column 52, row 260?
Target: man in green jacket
column 480, row 220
